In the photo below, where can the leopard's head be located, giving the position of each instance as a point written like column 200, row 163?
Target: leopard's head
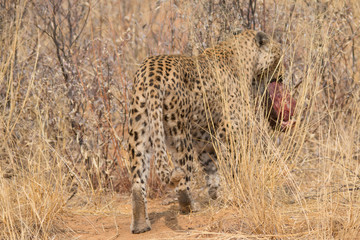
column 269, row 64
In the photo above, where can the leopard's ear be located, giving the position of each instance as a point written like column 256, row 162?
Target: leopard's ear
column 261, row 39
column 237, row 31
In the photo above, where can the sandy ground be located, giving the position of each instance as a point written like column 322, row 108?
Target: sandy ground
column 166, row 222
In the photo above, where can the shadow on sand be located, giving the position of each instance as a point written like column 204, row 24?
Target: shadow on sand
column 170, row 216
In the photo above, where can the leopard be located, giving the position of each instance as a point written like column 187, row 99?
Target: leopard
column 172, row 100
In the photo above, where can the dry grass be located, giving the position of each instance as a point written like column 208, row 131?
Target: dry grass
column 65, row 71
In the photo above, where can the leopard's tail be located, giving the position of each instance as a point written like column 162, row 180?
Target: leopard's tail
column 155, row 114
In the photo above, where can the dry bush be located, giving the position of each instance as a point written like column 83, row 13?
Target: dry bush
column 65, row 71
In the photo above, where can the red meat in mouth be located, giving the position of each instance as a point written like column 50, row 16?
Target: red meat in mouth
column 281, row 105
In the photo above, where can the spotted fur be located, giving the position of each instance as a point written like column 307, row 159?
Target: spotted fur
column 174, row 96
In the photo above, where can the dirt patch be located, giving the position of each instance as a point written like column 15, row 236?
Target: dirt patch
column 166, row 221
